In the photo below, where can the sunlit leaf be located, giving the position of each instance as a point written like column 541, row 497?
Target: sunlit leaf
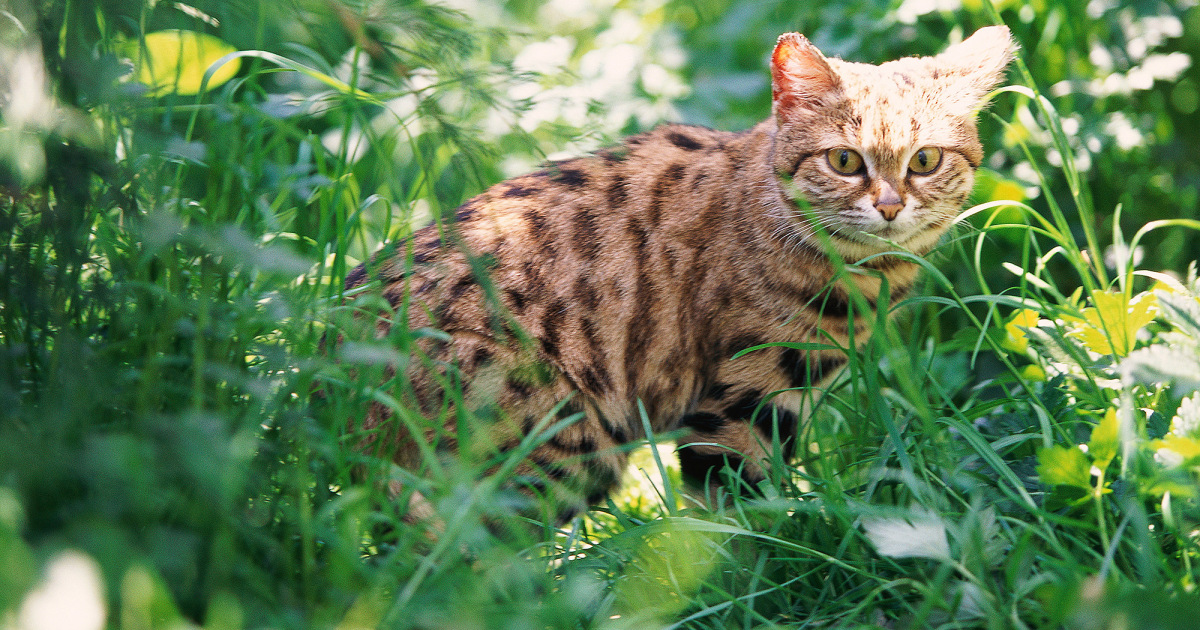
column 1014, row 337
column 144, row 595
column 1183, row 448
column 664, row 571
column 1111, row 325
column 1008, row 190
column 1033, row 372
column 1103, row 445
column 1181, row 310
column 991, row 186
column 71, row 595
column 908, row 538
column 174, row 61
column 1178, row 364
column 1064, row 466
column 1186, row 422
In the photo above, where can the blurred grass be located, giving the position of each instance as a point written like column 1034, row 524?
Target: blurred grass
column 173, row 262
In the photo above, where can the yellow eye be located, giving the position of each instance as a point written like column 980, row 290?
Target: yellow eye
column 925, row 161
column 845, row 161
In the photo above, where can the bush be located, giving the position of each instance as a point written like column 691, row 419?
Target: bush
column 173, row 436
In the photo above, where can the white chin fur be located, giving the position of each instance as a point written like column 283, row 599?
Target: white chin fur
column 905, row 233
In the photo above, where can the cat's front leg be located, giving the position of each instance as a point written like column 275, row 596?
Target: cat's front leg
column 740, row 430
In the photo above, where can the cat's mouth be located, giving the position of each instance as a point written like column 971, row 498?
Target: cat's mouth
column 888, row 231
column 884, row 236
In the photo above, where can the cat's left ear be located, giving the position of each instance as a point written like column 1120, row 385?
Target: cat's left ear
column 980, row 62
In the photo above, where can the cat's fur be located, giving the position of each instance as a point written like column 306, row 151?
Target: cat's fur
column 636, row 273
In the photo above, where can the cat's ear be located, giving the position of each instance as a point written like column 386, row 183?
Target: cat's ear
column 980, row 62
column 800, row 75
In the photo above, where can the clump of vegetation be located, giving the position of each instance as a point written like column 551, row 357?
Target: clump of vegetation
column 173, row 434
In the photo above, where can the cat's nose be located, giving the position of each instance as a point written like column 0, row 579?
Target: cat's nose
column 888, row 202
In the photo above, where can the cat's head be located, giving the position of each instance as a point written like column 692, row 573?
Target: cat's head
column 882, row 153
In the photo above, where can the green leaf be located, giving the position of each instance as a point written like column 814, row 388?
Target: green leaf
column 1181, row 310
column 1103, row 445
column 1177, row 364
column 1064, row 466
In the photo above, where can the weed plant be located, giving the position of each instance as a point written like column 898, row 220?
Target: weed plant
column 180, row 368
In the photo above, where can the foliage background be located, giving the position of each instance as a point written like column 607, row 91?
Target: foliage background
column 172, row 263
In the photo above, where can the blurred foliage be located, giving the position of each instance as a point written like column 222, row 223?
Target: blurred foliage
column 173, row 260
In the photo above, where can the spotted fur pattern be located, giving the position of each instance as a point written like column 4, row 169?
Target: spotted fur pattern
column 634, row 274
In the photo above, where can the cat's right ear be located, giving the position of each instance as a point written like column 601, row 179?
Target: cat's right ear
column 800, row 75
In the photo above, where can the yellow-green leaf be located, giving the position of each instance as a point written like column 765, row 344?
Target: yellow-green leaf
column 174, row 61
column 1103, row 445
column 1187, row 448
column 1014, row 330
column 990, row 186
column 1064, row 466
column 1111, row 325
column 1033, row 372
column 1008, row 190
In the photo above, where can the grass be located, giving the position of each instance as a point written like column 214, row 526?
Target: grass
column 173, row 417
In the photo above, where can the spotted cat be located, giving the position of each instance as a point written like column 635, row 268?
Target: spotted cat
column 634, row 274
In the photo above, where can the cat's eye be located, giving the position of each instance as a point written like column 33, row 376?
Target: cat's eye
column 845, row 161
column 925, row 160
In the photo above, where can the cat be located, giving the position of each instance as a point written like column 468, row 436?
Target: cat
column 633, row 275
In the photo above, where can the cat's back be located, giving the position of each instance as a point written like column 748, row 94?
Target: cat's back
column 572, row 207
column 611, row 227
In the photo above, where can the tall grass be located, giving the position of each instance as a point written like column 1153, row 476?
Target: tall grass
column 174, row 412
